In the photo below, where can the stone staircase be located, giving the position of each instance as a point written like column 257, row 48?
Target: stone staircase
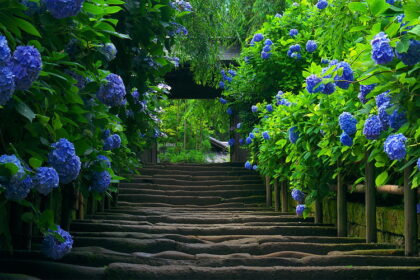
column 207, row 222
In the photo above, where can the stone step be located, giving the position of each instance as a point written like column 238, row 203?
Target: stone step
column 177, row 272
column 198, row 168
column 199, row 219
column 210, row 182
column 207, row 172
column 174, row 193
column 200, row 178
column 217, row 188
column 190, row 200
column 215, row 230
column 131, row 245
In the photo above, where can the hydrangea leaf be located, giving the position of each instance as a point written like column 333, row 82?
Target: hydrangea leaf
column 381, row 179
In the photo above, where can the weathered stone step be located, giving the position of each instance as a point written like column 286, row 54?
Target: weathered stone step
column 131, row 208
column 175, row 272
column 223, row 187
column 192, row 168
column 207, row 172
column 201, row 178
column 199, row 219
column 220, row 193
column 192, row 200
column 215, row 230
column 130, row 245
column 210, row 182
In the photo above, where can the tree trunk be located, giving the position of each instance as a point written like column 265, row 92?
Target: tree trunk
column 318, row 212
column 284, row 194
column 276, row 196
column 268, row 200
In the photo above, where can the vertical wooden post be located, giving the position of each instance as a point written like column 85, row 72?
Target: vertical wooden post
column 81, row 210
column 276, row 196
column 410, row 216
column 268, row 201
column 370, row 203
column 341, row 206
column 91, row 205
column 318, row 212
column 67, row 206
column 101, row 205
column 283, row 191
column 115, row 199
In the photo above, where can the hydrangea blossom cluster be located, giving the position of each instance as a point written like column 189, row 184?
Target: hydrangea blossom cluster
column 251, row 135
column 54, row 248
column 382, row 99
column 346, row 140
column 227, row 76
column 373, row 127
column 248, row 140
column 81, row 81
column 254, row 108
column 397, row 119
column 177, row 29
column 364, row 91
column 101, row 159
column 229, row 111
column 281, row 100
column 45, row 180
column 394, row 146
column 418, row 167
column 7, row 84
column 5, row 53
column 255, row 167
column 300, row 208
column 266, row 52
column 26, row 66
column 324, row 61
column 269, row 108
column 64, row 160
column 31, row 7
column 100, row 181
column 113, row 92
column 231, row 142
column 266, row 135
column 383, row 115
column 347, row 123
column 311, row 46
column 222, row 100
column 18, row 185
column 322, row 4
column 64, row 8
column 347, row 76
column 248, row 165
column 314, row 84
column 109, row 51
column 412, row 56
column 382, row 52
column 258, row 37
column 294, row 51
column 293, row 134
column 238, row 125
column 183, row 6
column 293, row 32
column 112, row 142
column 298, row 195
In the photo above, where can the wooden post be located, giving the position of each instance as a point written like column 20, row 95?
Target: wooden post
column 91, row 205
column 410, row 216
column 107, row 202
column 268, row 191
column 341, row 206
column 284, row 202
column 318, row 212
column 370, row 203
column 115, row 199
column 81, row 210
column 276, row 196
column 101, row 205
column 67, row 206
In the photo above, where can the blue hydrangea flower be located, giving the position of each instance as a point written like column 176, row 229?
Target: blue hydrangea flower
column 382, row 52
column 247, row 59
column 265, row 55
column 5, row 53
column 346, row 140
column 100, row 181
column 412, row 56
column 322, row 4
column 344, row 80
column 397, row 119
column 347, row 123
column 364, row 91
column 300, row 208
column 283, row 101
column 238, row 125
column 182, row 6
column 112, row 142
column 64, row 8
column 7, row 85
column 13, row 159
column 314, row 84
column 267, row 49
column 222, row 85
column 298, row 195
column 251, row 135
column 54, row 248
column 258, row 37
column 255, row 167
column 418, row 207
column 229, row 111
column 103, row 159
column 311, row 46
column 222, row 100
column 394, row 146
column 278, row 15
column 64, row 160
column 254, row 108
column 113, row 92
column 109, row 51
column 45, row 180
column 18, row 189
column 391, row 2
column 232, row 72
column 293, row 134
column 383, row 115
column 269, row 108
column 382, row 98
column 296, row 56
column 329, row 88
column 418, row 167
column 248, row 140
column 324, row 61
column 248, row 165
column 293, row 32
column 241, row 141
column 295, row 48
column 26, row 66
column 106, row 133
column 268, row 42
column 372, row 128
column 266, row 135
column 31, row 7
column 231, row 142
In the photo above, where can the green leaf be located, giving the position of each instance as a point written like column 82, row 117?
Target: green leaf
column 381, row 179
column 35, row 163
column 402, row 46
column 24, row 110
column 27, row 217
column 415, row 30
column 377, row 7
column 8, row 169
column 26, row 26
column 357, row 7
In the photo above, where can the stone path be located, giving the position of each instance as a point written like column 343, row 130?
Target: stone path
column 205, row 222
